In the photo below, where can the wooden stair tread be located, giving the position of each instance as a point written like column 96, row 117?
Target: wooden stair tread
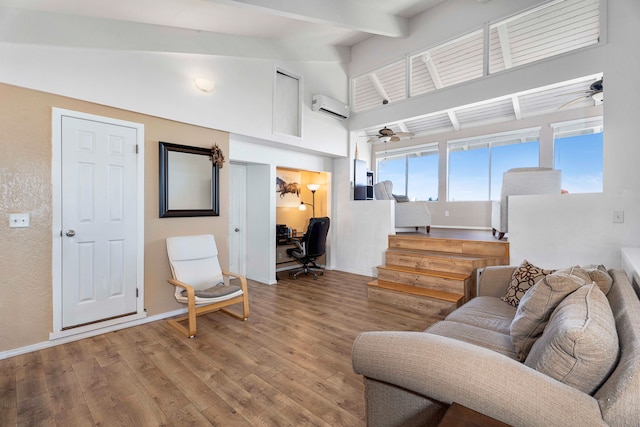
column 447, row 239
column 414, row 290
column 441, row 254
column 425, row 272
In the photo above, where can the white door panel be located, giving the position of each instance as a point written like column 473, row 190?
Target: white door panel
column 99, row 224
column 237, row 218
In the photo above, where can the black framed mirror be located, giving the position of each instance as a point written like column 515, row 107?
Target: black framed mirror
column 189, row 181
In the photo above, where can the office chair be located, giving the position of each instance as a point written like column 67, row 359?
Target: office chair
column 199, row 281
column 311, row 247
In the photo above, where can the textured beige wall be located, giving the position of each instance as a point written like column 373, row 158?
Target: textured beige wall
column 25, row 186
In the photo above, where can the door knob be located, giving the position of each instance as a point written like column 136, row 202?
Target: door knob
column 70, row 233
column 237, row 229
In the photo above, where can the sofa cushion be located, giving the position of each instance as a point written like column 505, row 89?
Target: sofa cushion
column 383, row 190
column 536, row 307
column 523, row 277
column 485, row 312
column 492, row 340
column 579, row 346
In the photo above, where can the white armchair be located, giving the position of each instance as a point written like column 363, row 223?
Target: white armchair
column 408, row 214
column 521, row 181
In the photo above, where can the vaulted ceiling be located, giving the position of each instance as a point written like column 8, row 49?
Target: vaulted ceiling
column 320, row 25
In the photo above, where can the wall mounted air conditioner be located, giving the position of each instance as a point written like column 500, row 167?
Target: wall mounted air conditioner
column 330, row 106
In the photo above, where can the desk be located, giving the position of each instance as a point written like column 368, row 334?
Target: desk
column 284, row 261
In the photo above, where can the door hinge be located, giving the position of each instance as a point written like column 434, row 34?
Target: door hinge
column 137, row 294
column 137, row 149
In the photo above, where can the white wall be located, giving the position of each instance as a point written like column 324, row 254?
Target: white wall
column 572, row 229
column 262, row 160
column 161, row 84
column 363, row 231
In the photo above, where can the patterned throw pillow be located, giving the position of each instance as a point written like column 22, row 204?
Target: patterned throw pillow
column 523, row 277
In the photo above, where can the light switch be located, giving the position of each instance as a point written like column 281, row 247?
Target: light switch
column 18, row 220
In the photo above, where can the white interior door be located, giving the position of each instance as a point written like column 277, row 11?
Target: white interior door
column 99, row 221
column 237, row 218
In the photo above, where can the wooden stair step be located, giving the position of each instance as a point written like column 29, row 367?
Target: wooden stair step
column 443, row 261
column 418, row 291
column 495, row 248
column 426, row 272
column 438, row 280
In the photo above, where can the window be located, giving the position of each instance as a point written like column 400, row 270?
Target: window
column 554, row 28
column 578, row 148
column 447, row 64
column 476, row 164
column 414, row 172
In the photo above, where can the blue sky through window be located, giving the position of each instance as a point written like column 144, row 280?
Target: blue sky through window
column 580, row 160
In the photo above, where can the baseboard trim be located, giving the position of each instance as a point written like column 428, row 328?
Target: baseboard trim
column 76, row 337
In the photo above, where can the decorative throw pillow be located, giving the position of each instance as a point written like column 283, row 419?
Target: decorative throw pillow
column 523, row 277
column 576, row 271
column 579, row 346
column 401, row 199
column 536, row 307
column 601, row 276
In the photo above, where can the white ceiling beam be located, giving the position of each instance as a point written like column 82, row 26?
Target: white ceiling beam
column 505, row 45
column 342, row 13
column 435, row 76
column 516, row 107
column 41, row 28
column 375, row 81
column 454, row 119
column 403, row 127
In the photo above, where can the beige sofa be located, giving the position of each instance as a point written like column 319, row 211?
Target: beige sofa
column 411, row 378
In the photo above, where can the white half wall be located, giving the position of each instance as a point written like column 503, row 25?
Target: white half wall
column 572, row 229
column 363, row 231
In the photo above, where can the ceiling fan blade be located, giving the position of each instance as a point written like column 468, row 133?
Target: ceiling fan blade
column 404, row 134
column 395, row 138
column 574, row 101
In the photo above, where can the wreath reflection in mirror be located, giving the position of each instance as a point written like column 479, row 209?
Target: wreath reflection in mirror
column 217, row 156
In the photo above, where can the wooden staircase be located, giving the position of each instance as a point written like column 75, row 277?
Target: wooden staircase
column 433, row 275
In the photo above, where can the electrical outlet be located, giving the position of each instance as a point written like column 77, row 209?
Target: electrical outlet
column 18, row 220
column 618, row 217
column 446, row 213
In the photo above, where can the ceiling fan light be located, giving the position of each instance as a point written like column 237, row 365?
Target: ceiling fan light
column 598, row 97
column 385, row 138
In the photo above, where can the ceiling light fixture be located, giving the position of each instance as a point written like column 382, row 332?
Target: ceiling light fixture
column 204, row 84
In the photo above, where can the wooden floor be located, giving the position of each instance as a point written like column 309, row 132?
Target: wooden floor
column 288, row 365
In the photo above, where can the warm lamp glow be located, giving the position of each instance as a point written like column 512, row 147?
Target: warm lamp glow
column 302, row 207
column 204, row 84
column 313, row 187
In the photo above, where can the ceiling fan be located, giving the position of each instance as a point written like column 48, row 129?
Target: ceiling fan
column 595, row 92
column 387, row 135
